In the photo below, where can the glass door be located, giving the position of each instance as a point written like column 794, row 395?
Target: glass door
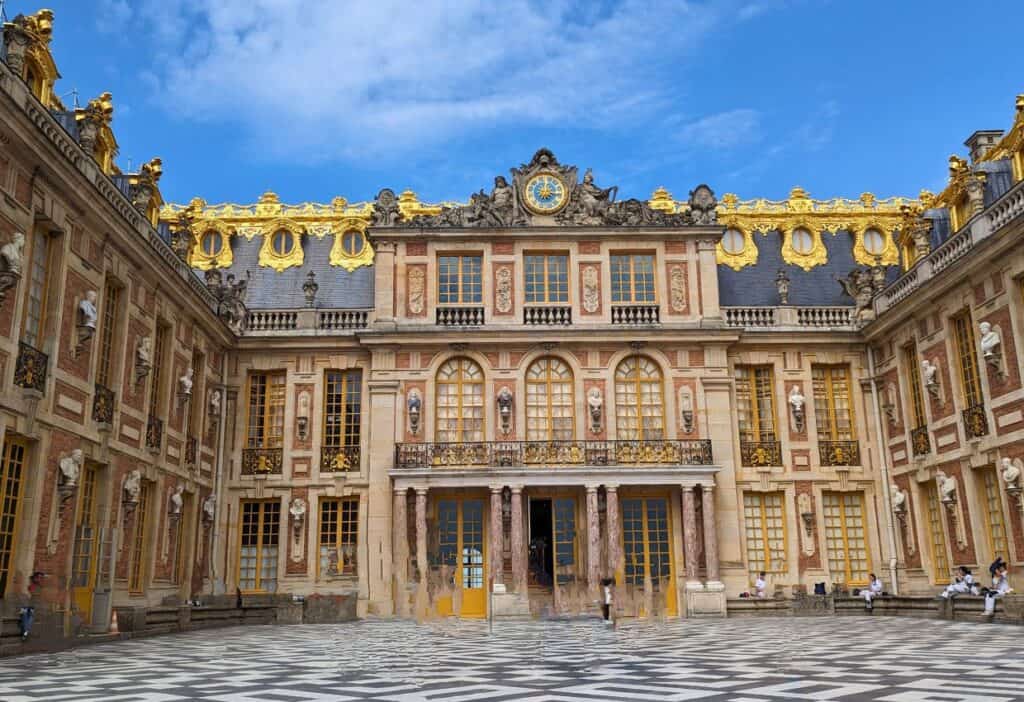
column 83, row 574
column 462, row 552
column 647, row 551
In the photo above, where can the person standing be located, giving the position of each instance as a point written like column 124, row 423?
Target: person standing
column 606, row 603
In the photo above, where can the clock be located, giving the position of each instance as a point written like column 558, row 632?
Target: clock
column 545, row 194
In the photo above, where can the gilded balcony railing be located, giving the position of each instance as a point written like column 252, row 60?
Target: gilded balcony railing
column 339, row 459
column 839, row 453
column 154, row 433
column 758, row 454
column 975, row 421
column 103, row 405
column 920, row 442
column 539, row 454
column 30, row 368
column 262, row 461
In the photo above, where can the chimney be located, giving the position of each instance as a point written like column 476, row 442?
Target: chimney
column 981, row 142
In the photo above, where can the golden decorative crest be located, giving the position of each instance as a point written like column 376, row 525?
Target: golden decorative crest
column 747, row 256
column 346, row 252
column 282, row 244
column 205, row 252
column 807, row 256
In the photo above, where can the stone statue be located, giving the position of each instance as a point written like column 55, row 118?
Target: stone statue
column 132, row 487
column 87, row 316
column 899, row 499
column 931, row 382
column 414, row 404
column 703, row 206
column 878, row 275
column 215, row 403
column 1011, row 472
column 298, row 511
column 70, row 467
column 796, row 402
column 594, row 403
column 385, row 209
column 860, row 285
column 232, row 298
column 185, row 382
column 593, row 200
column 309, row 289
column 505, row 409
column 920, row 233
column 143, row 358
column 177, row 500
column 990, row 341
column 10, row 263
column 947, row 487
column 503, row 199
column 782, row 285
column 209, row 508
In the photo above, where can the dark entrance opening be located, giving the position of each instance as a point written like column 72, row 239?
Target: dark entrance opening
column 541, row 551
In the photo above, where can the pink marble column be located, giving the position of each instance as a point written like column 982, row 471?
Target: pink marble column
column 497, row 534
column 421, row 533
column 401, row 542
column 614, row 530
column 690, row 534
column 710, row 535
column 593, row 541
column 519, row 575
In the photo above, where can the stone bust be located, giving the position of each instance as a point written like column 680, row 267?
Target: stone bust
column 185, row 382
column 796, row 400
column 87, row 311
column 12, row 253
column 132, row 486
column 215, row 403
column 297, row 509
column 176, row 499
column 899, row 499
column 595, row 402
column 1010, row 472
column 929, row 369
column 144, row 353
column 70, row 467
column 210, row 507
column 990, row 340
column 947, row 487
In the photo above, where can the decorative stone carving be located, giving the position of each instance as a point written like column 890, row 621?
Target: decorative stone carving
column 991, row 346
column 947, row 488
column 70, row 468
column 215, row 398
column 975, row 186
column 96, row 115
column 591, row 289
column 416, row 282
column 920, row 234
column 806, row 510
column 185, row 383
column 686, row 409
column 143, row 358
column 899, row 499
column 176, row 502
column 132, row 488
column 782, row 286
column 703, row 205
column 414, row 404
column 677, row 288
column 948, row 496
column 889, row 404
column 142, row 190
column 302, row 415
column 209, row 509
column 1010, row 469
column 11, row 255
column 796, row 407
column 385, row 209
column 309, row 289
column 230, row 296
column 505, row 409
column 859, row 284
column 503, row 290
column 86, row 320
column 931, row 380
column 595, row 402
column 297, row 510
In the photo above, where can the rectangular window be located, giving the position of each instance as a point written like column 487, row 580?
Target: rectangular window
column 257, row 557
column 266, row 410
column 12, row 469
column 994, row 522
column 967, row 360
column 459, row 280
column 157, row 372
column 940, row 559
column 194, row 422
column 547, row 278
column 339, row 536
column 37, row 273
column 765, row 521
column 83, row 568
column 342, row 407
column 913, row 367
column 108, row 332
column 846, row 537
column 633, row 278
column 833, row 408
column 136, row 571
column 755, row 395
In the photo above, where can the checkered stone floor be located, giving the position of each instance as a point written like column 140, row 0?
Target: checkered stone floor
column 742, row 660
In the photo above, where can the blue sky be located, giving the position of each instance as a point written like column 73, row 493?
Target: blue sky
column 317, row 99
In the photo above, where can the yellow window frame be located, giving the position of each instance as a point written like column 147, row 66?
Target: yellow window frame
column 635, row 275
column 263, row 509
column 469, row 282
column 826, row 385
column 342, row 407
column 139, row 555
column 13, row 463
column 936, row 533
column 838, row 518
column 967, row 359
column 759, row 509
column 759, row 382
column 914, row 382
column 995, row 519
column 157, row 373
column 541, row 271
column 37, row 276
column 625, row 411
column 461, row 382
column 338, row 527
column 545, row 386
column 108, row 332
column 265, row 410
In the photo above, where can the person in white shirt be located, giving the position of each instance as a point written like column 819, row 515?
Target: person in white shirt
column 873, row 590
column 606, row 605
column 760, row 586
column 1000, row 587
column 963, row 582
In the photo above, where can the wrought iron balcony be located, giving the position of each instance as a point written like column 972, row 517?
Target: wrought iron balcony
column 839, row 453
column 547, row 315
column 339, row 459
column 262, row 461
column 154, row 433
column 635, row 314
column 920, row 442
column 758, row 454
column 975, row 421
column 540, row 454
column 103, row 405
column 460, row 316
column 191, row 451
column 30, row 368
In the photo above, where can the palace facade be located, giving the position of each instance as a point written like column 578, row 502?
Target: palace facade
column 490, row 406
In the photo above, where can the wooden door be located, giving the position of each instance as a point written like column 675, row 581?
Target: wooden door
column 647, row 548
column 462, row 544
column 83, row 569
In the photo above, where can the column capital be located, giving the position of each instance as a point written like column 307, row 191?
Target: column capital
column 592, row 488
column 496, row 488
column 421, row 491
column 706, row 487
column 517, row 489
column 400, row 490
column 611, row 487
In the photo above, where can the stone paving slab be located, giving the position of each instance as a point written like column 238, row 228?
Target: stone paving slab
column 745, row 660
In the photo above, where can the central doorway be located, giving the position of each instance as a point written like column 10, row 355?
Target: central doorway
column 541, row 554
column 552, row 544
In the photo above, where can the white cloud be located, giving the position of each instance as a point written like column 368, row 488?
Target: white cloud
column 323, row 80
column 723, row 130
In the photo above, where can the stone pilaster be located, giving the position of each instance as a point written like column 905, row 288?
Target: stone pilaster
column 400, row 539
column 519, row 574
column 421, row 534
column 497, row 535
column 710, row 538
column 690, row 536
column 593, row 541
column 380, row 495
column 384, row 282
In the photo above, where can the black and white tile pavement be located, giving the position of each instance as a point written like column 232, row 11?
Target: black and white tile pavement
column 739, row 660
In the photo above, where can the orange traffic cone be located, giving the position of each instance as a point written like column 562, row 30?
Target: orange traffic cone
column 113, row 622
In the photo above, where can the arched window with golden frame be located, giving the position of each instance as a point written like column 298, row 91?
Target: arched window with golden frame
column 550, row 399
column 639, row 400
column 459, row 401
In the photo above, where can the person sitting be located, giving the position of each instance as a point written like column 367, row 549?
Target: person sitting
column 963, row 582
column 760, row 586
column 1000, row 586
column 873, row 590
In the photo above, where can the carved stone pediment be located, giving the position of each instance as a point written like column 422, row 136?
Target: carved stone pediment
column 544, row 192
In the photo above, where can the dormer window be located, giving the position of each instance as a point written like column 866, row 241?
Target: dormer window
column 211, row 243
column 283, row 242
column 353, row 242
column 733, row 242
column 802, row 241
column 874, row 242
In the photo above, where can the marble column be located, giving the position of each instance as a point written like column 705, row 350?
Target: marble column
column 690, row 536
column 497, row 535
column 613, row 528
column 400, row 539
column 593, row 541
column 710, row 535
column 519, row 575
column 421, row 534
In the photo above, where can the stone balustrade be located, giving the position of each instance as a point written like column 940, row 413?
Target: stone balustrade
column 305, row 322
column 790, row 318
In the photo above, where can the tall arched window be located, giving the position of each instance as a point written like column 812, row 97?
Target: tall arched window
column 639, row 401
column 459, row 404
column 549, row 401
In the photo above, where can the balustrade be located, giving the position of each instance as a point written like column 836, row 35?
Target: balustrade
column 271, row 320
column 759, row 454
column 839, row 453
column 460, row 316
column 635, row 314
column 262, row 461
column 749, row 316
column 343, row 319
column 547, row 315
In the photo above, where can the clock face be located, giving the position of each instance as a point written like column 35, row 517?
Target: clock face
column 545, row 194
